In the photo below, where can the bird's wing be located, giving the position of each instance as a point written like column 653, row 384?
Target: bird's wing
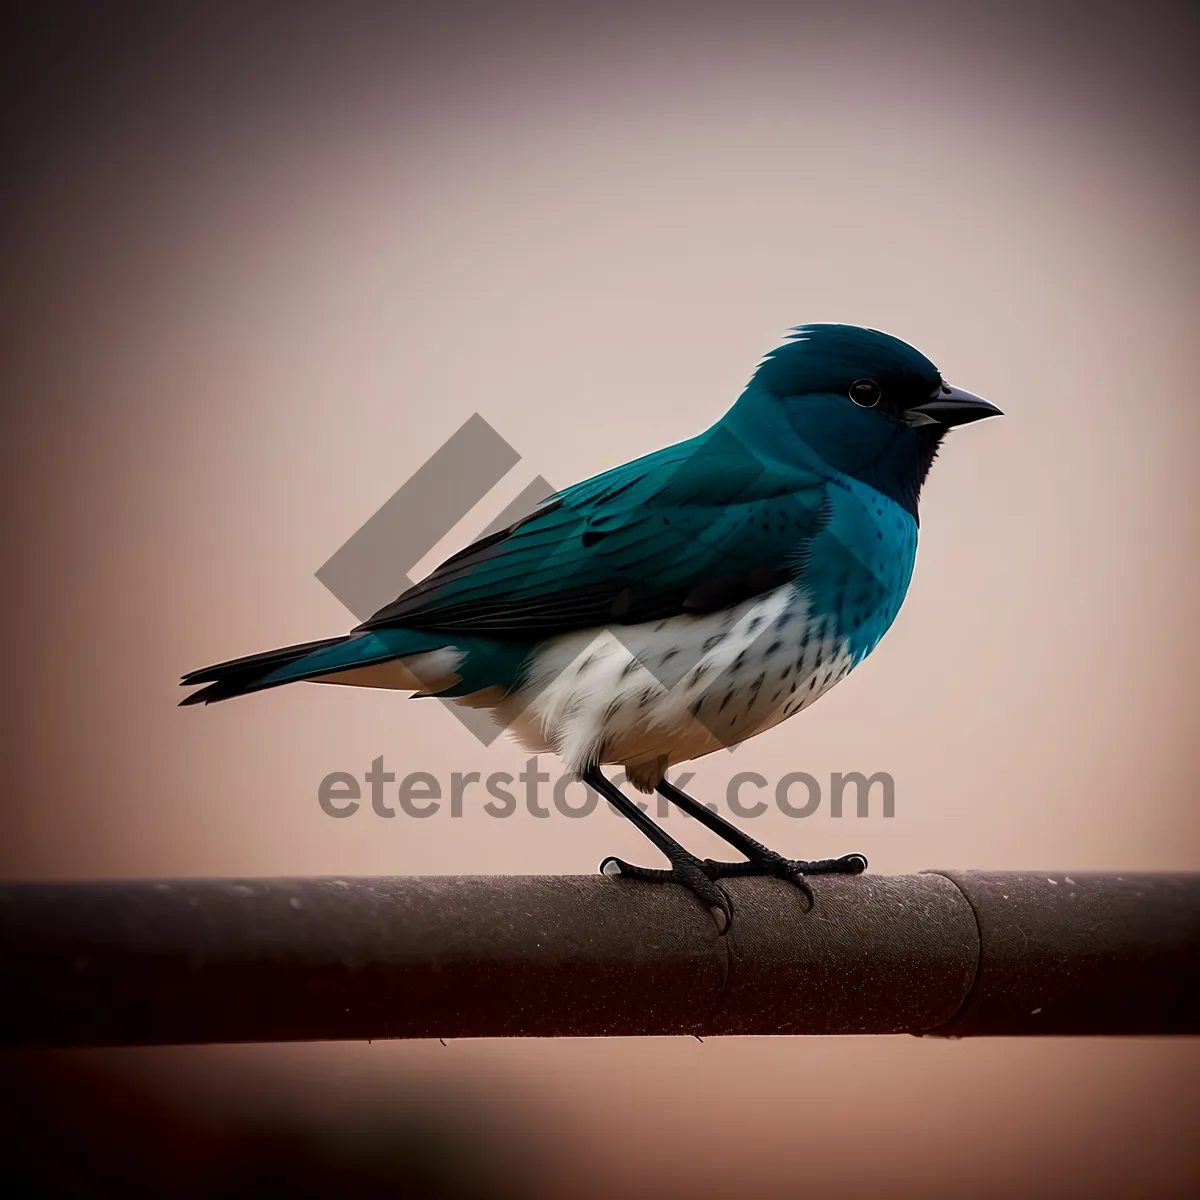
column 693, row 528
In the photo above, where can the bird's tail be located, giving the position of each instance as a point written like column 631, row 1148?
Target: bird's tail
column 358, row 658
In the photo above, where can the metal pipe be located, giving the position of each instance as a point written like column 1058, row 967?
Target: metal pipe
column 950, row 953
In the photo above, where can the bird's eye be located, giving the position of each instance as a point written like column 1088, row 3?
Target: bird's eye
column 865, row 393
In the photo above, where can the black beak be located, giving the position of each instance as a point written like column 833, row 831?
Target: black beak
column 951, row 406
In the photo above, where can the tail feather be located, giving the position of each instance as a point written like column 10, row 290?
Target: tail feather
column 242, row 675
column 257, row 662
column 308, row 660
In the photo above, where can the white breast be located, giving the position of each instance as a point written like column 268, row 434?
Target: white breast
column 664, row 692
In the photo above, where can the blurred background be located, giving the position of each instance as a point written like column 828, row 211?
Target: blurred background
column 260, row 261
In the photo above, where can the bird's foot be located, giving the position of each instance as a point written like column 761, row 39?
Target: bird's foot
column 700, row 875
column 793, row 870
column 695, row 874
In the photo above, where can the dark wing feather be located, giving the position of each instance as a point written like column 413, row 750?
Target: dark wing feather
column 693, row 528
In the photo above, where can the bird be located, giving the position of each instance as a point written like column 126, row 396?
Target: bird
column 682, row 602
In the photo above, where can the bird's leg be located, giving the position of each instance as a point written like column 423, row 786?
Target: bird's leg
column 695, row 874
column 760, row 859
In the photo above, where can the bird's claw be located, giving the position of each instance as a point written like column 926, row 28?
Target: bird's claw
column 792, row 870
column 700, row 876
column 695, row 874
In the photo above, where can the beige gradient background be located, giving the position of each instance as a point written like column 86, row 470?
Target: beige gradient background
column 261, row 268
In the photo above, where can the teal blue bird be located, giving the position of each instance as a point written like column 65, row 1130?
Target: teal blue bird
column 682, row 602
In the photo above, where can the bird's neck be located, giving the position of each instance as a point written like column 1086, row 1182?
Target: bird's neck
column 828, row 437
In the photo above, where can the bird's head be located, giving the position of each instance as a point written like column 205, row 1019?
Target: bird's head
column 867, row 404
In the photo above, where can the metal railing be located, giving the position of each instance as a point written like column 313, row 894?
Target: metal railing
column 943, row 953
